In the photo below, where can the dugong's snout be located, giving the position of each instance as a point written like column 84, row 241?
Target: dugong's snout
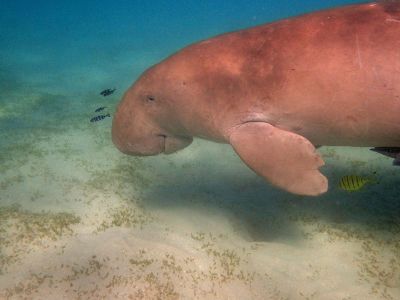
column 132, row 140
column 151, row 145
column 145, row 142
column 140, row 147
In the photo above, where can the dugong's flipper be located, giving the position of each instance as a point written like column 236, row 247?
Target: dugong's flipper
column 284, row 158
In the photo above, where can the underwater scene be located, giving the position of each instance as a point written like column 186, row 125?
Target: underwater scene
column 81, row 220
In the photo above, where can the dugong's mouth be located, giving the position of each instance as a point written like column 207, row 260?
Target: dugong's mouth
column 175, row 143
column 153, row 145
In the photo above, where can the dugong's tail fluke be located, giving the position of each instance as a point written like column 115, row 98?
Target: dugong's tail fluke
column 393, row 152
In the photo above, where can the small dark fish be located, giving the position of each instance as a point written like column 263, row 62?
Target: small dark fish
column 107, row 92
column 99, row 118
column 393, row 152
column 100, row 108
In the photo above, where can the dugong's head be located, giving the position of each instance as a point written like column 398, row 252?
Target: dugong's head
column 148, row 121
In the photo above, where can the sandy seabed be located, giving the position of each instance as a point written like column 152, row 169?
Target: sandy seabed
column 79, row 220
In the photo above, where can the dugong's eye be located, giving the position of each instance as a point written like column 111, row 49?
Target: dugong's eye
column 150, row 98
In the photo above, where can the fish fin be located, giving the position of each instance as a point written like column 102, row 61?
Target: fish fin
column 283, row 158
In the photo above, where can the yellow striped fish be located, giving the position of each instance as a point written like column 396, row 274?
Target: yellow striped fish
column 352, row 183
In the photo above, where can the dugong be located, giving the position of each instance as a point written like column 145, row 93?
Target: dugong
column 275, row 92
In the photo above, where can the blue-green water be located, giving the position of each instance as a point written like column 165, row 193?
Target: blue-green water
column 79, row 220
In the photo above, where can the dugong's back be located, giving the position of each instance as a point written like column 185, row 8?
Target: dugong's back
column 331, row 76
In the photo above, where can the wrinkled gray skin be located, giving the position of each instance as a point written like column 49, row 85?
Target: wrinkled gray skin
column 274, row 91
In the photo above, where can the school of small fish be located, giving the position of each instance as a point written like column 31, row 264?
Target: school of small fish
column 97, row 118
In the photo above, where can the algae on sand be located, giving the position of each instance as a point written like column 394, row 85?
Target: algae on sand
column 19, row 230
